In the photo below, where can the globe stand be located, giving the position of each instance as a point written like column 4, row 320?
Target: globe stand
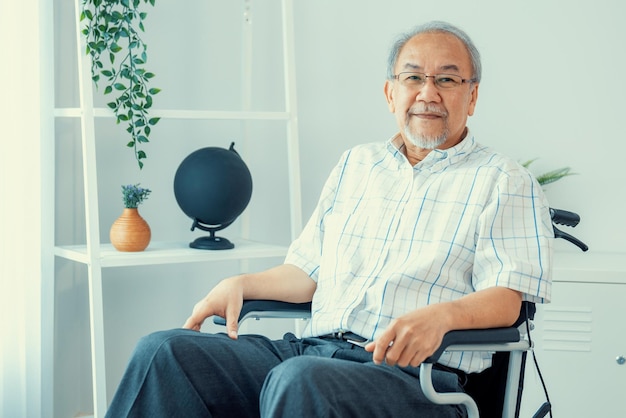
column 211, row 242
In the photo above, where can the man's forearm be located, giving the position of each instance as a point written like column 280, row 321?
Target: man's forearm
column 489, row 308
column 285, row 282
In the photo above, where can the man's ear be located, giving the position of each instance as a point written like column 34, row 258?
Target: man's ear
column 389, row 96
column 473, row 100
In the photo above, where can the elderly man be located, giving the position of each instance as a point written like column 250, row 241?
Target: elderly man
column 412, row 237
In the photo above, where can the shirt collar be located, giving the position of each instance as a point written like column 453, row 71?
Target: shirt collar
column 437, row 158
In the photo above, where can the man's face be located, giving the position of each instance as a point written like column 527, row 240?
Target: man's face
column 430, row 116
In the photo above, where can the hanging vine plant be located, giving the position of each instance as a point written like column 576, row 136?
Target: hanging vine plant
column 118, row 55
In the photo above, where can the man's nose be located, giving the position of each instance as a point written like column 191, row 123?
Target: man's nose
column 429, row 92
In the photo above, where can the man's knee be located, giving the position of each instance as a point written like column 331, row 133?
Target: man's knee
column 153, row 341
column 160, row 343
column 300, row 369
column 295, row 384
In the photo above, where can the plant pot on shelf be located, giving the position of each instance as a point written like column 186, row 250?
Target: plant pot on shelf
column 130, row 232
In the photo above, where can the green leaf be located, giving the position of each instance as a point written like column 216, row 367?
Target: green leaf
column 142, row 138
column 119, row 86
column 554, row 175
column 131, row 144
column 154, row 90
column 141, row 155
column 111, row 105
column 550, row 176
column 153, row 121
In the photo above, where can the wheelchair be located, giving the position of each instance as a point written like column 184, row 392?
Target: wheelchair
column 493, row 393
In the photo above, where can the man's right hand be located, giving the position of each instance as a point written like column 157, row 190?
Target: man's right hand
column 224, row 300
column 285, row 282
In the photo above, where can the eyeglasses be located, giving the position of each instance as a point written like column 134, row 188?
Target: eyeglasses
column 414, row 80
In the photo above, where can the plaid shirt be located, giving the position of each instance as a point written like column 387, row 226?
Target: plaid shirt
column 387, row 238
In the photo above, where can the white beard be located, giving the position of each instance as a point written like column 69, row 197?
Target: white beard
column 425, row 142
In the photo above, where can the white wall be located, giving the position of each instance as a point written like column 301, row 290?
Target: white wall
column 551, row 89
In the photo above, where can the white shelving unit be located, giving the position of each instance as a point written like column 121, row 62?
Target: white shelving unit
column 97, row 255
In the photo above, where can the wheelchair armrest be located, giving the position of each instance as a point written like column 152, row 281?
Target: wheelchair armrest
column 454, row 339
column 477, row 339
column 494, row 340
column 270, row 309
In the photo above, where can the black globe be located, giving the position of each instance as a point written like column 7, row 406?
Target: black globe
column 213, row 186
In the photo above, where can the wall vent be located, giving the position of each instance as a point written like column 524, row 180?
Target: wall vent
column 567, row 328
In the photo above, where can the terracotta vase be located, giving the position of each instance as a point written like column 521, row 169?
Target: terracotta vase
column 130, row 232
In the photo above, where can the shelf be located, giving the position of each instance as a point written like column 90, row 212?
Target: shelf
column 96, row 255
column 170, row 253
column 100, row 112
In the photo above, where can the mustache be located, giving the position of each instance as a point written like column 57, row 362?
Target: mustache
column 428, row 108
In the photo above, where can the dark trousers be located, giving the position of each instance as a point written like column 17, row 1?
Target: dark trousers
column 183, row 373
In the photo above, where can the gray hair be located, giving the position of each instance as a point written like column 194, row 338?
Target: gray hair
column 435, row 26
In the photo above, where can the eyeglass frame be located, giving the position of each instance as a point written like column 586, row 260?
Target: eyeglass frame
column 434, row 77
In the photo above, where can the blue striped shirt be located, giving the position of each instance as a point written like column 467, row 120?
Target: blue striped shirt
column 387, row 238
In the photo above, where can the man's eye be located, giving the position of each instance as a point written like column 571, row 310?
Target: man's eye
column 413, row 78
column 447, row 81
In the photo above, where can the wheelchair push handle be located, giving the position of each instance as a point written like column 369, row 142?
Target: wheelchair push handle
column 564, row 217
